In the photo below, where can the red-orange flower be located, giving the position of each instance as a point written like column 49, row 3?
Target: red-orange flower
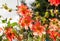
column 59, row 35
column 53, row 35
column 38, row 29
column 10, row 35
column 54, row 2
column 23, row 10
column 25, row 21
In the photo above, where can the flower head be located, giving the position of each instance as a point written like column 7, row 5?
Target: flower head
column 38, row 29
column 23, row 10
column 9, row 33
column 53, row 34
column 54, row 2
column 25, row 21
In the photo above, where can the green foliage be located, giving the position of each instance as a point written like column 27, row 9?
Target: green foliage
column 45, row 10
column 46, row 14
column 30, row 38
column 5, row 40
column 0, row 38
column 11, row 24
column 14, row 24
column 0, row 16
column 4, row 21
column 42, row 5
column 8, row 24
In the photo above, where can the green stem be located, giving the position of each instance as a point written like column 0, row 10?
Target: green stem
column 47, row 7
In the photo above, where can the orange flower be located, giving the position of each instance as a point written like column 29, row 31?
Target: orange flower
column 53, row 34
column 23, row 10
column 53, row 27
column 25, row 21
column 38, row 29
column 54, row 2
column 10, row 35
column 59, row 35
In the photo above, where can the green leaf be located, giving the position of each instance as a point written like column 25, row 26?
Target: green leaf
column 46, row 14
column 43, row 19
column 0, row 38
column 5, row 40
column 8, row 24
column 14, row 24
column 38, row 39
column 52, row 15
column 4, row 21
column 30, row 39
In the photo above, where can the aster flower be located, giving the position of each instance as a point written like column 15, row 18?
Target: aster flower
column 53, row 27
column 9, row 34
column 25, row 21
column 54, row 2
column 23, row 10
column 38, row 29
column 58, row 35
column 53, row 35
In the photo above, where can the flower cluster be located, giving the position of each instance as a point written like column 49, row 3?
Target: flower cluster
column 26, row 20
column 54, row 29
column 34, row 24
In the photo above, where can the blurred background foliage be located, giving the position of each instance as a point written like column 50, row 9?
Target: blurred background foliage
column 43, row 9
